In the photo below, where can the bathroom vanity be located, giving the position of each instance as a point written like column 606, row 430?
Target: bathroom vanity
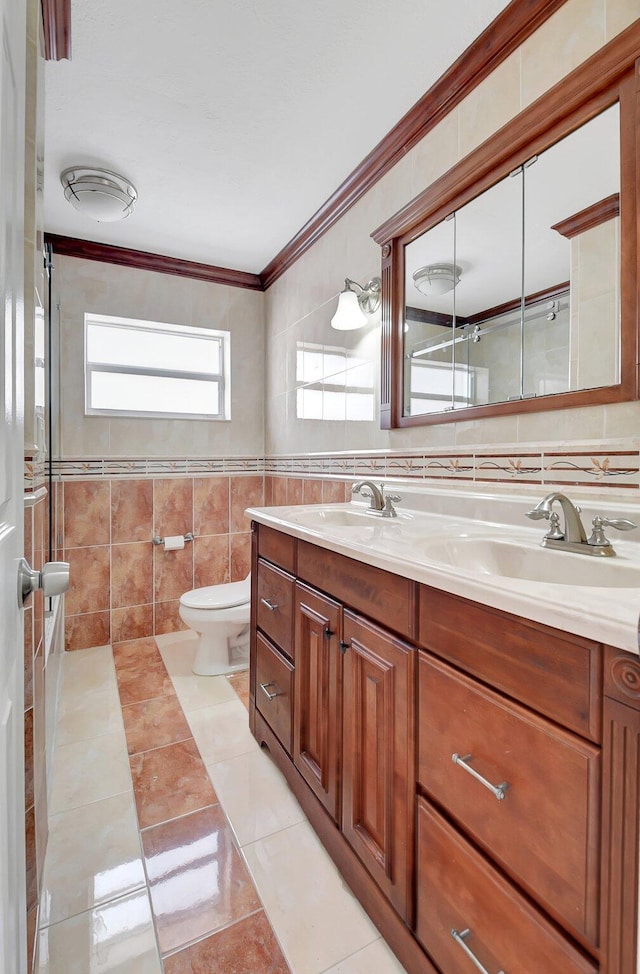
column 466, row 744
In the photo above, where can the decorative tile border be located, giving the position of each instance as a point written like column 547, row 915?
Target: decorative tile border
column 585, row 466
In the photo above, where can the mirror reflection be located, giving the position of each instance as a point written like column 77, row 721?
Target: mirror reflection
column 517, row 293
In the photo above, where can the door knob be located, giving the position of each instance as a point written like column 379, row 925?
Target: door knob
column 52, row 580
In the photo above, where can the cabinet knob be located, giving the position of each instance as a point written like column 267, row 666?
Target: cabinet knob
column 344, row 646
column 328, row 633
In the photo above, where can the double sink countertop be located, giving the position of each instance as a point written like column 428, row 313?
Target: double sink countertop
column 479, row 545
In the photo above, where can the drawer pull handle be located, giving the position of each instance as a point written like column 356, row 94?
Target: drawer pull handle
column 271, row 606
column 460, row 940
column 498, row 790
column 270, row 696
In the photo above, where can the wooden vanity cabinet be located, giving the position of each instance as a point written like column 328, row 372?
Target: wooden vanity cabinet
column 543, row 879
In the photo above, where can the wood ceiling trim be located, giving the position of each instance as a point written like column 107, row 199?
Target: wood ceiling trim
column 500, row 39
column 592, row 216
column 125, row 257
column 56, row 21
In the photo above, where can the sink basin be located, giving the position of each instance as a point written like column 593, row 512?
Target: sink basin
column 333, row 516
column 510, row 559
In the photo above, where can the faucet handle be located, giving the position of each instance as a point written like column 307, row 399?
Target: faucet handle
column 393, row 497
column 600, row 523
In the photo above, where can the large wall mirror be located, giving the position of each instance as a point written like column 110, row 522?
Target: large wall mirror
column 512, row 287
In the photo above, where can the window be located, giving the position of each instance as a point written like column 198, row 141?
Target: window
column 146, row 368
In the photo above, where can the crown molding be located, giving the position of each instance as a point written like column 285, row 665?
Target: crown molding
column 141, row 259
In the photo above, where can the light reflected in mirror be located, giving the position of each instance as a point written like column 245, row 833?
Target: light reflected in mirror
column 531, row 306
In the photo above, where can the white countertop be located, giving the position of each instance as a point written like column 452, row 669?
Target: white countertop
column 432, row 520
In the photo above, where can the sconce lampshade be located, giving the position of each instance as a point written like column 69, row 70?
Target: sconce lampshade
column 349, row 315
column 353, row 307
column 98, row 193
column 433, row 280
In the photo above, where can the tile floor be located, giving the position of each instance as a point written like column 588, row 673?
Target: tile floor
column 175, row 844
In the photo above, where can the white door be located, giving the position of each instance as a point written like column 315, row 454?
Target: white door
column 12, row 861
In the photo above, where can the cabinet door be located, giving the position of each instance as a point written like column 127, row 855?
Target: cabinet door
column 378, row 755
column 317, row 694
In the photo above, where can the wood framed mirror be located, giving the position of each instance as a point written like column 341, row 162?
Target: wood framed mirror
column 510, row 284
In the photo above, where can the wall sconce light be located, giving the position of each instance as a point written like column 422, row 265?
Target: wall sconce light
column 354, row 307
column 100, row 194
column 436, row 279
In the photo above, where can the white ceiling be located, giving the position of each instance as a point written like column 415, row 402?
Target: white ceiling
column 237, row 119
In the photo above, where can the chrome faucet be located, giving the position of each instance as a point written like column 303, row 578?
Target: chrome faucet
column 573, row 537
column 381, row 504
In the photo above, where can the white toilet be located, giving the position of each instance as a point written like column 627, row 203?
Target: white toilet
column 220, row 615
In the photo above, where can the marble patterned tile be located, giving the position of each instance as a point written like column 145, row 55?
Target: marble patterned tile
column 31, row 858
column 90, row 580
column 240, row 556
column 81, row 717
column 167, row 618
column 222, row 731
column 198, row 881
column 255, row 796
column 131, row 574
column 170, row 781
column 93, row 855
column 154, row 723
column 197, row 692
column 376, row 957
column 87, row 631
column 87, row 509
column 178, row 650
column 86, row 771
column 172, row 572
column 281, row 865
column 173, row 506
column 240, row 683
column 131, row 511
column 245, row 492
column 211, row 560
column 131, row 622
column 115, row 938
column 211, row 505
column 246, row 947
column 87, row 670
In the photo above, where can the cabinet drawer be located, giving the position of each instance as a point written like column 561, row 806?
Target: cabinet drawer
column 275, row 605
column 274, row 683
column 545, row 830
column 552, row 671
column 277, row 547
column 458, row 890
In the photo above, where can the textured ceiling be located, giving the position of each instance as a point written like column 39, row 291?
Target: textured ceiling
column 237, row 119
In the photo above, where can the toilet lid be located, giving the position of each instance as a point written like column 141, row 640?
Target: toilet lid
column 218, row 596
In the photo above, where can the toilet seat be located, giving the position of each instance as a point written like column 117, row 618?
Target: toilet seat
column 218, row 596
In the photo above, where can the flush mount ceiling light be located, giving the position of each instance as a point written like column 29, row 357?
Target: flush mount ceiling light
column 354, row 307
column 98, row 193
column 436, row 279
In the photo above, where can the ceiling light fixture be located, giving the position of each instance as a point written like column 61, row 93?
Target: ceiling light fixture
column 98, row 193
column 436, row 279
column 353, row 308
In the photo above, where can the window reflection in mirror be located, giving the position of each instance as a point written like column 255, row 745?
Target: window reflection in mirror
column 517, row 293
column 333, row 383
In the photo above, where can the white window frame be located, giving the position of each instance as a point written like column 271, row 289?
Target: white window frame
column 222, row 379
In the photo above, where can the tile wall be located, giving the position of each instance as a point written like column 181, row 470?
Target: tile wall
column 125, row 587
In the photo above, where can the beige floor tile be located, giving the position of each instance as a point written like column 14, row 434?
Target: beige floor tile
column 93, row 855
column 222, row 732
column 178, row 650
column 83, row 716
column 196, row 692
column 117, row 938
column 86, row 670
column 315, row 917
column 255, row 796
column 87, row 771
column 376, row 958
